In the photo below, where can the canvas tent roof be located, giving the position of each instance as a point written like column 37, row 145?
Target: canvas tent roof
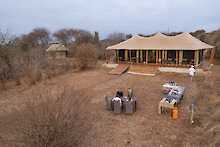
column 57, row 47
column 159, row 41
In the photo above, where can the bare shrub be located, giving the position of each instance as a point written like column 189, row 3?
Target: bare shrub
column 116, row 37
column 46, row 121
column 38, row 37
column 86, row 55
column 18, row 60
column 33, row 63
column 6, row 57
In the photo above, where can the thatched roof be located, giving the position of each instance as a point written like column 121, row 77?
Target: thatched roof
column 159, row 41
column 57, row 47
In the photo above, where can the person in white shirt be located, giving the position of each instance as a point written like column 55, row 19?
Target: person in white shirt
column 192, row 72
column 116, row 99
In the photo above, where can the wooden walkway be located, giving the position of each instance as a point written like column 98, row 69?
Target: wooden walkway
column 120, row 69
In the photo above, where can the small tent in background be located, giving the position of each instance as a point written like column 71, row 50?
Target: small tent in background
column 57, row 51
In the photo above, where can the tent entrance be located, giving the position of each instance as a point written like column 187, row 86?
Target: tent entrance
column 171, row 57
column 143, row 57
column 188, row 57
column 133, row 55
column 137, row 56
column 151, row 56
column 121, row 55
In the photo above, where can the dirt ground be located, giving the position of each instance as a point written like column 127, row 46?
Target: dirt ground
column 145, row 128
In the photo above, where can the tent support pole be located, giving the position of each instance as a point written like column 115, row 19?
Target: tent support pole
column 196, row 59
column 156, row 56
column 126, row 55
column 130, row 54
column 165, row 56
column 141, row 56
column 137, row 56
column 117, row 56
column 180, row 57
column 146, row 56
column 177, row 57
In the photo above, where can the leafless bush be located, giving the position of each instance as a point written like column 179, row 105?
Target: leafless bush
column 71, row 36
column 38, row 37
column 4, row 71
column 32, row 63
column 116, row 37
column 16, row 63
column 46, row 121
column 86, row 55
column 6, row 57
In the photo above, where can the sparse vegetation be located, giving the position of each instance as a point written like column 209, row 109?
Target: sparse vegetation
column 6, row 58
column 24, row 60
column 212, row 38
column 86, row 56
column 46, row 120
column 62, row 120
column 98, row 127
column 207, row 110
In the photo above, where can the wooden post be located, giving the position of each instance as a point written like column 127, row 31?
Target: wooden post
column 157, row 56
column 137, row 56
column 126, row 55
column 196, row 57
column 116, row 56
column 141, row 56
column 130, row 54
column 197, row 60
column 177, row 57
column 146, row 56
column 180, row 57
column 165, row 56
column 162, row 56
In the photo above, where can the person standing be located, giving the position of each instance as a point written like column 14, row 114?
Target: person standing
column 192, row 72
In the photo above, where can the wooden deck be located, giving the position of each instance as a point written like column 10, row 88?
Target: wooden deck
column 120, row 69
column 142, row 69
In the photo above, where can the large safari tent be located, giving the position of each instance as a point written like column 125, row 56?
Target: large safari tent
column 182, row 49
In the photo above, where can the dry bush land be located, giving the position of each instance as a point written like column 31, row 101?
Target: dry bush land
column 101, row 128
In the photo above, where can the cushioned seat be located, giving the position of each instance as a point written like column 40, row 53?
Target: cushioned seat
column 117, row 106
column 129, row 107
column 109, row 103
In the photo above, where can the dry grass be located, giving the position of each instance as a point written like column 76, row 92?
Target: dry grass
column 209, row 108
column 46, row 120
column 145, row 127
